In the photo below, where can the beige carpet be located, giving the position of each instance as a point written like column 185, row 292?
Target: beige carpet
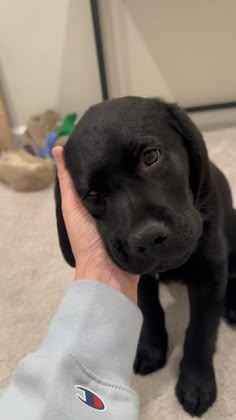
column 34, row 278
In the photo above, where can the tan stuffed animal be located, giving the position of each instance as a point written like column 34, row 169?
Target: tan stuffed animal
column 24, row 172
column 39, row 125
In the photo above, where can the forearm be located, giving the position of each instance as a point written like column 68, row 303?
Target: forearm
column 91, row 343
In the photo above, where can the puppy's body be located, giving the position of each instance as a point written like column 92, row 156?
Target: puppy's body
column 142, row 169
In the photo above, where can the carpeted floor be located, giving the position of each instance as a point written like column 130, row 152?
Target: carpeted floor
column 34, row 278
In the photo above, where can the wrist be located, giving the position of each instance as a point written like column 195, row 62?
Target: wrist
column 111, row 276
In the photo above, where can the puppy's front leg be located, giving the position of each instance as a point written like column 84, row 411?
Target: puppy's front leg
column 196, row 387
column 152, row 347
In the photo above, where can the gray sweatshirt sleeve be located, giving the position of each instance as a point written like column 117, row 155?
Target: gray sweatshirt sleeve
column 83, row 367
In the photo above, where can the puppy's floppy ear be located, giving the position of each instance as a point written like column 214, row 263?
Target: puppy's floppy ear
column 61, row 228
column 198, row 157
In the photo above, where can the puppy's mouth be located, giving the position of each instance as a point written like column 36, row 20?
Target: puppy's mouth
column 145, row 264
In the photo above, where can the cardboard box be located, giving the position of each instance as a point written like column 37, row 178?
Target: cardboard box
column 6, row 142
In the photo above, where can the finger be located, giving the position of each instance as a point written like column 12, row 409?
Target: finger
column 62, row 171
column 69, row 195
column 58, row 154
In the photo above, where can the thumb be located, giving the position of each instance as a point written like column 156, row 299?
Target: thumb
column 62, row 171
column 69, row 197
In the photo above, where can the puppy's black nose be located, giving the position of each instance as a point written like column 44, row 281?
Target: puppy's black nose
column 147, row 239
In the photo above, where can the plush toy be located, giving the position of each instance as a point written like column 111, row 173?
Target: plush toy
column 24, row 172
column 65, row 128
column 61, row 141
column 39, row 125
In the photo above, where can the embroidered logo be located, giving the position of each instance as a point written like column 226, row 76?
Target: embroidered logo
column 89, row 398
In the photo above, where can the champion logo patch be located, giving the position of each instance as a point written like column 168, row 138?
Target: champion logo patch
column 89, row 398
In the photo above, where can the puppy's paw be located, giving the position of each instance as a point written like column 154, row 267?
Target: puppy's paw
column 149, row 359
column 196, row 392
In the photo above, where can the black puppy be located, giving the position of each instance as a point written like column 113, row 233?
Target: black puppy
column 142, row 169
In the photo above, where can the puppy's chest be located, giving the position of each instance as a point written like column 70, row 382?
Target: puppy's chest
column 179, row 275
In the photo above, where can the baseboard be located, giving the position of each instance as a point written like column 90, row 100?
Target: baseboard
column 205, row 120
column 210, row 120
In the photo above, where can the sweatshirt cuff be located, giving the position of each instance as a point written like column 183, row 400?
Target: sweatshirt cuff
column 98, row 326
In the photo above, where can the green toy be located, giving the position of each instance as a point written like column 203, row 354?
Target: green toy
column 67, row 125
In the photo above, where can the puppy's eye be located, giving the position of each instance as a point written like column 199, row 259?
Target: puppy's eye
column 92, row 194
column 151, row 156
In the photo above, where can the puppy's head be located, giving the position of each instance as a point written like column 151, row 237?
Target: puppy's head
column 141, row 168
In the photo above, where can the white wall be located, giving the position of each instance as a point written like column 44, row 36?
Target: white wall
column 47, row 57
column 131, row 68
column 180, row 49
column 79, row 81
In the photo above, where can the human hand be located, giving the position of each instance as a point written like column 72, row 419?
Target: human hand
column 91, row 258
